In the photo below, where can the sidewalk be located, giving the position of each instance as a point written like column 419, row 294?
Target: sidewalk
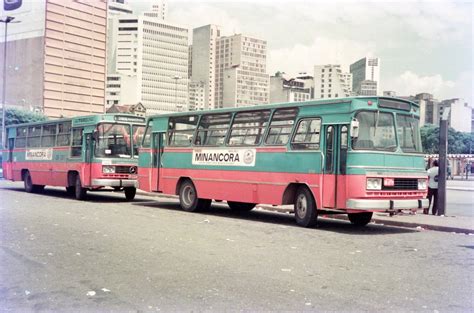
column 456, row 224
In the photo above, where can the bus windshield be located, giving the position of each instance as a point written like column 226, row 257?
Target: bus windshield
column 376, row 131
column 409, row 133
column 113, row 141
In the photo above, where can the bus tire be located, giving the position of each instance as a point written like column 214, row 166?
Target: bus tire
column 189, row 200
column 130, row 193
column 79, row 192
column 306, row 213
column 29, row 186
column 241, row 206
column 360, row 219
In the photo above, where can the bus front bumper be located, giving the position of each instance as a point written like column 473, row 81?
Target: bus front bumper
column 115, row 182
column 381, row 204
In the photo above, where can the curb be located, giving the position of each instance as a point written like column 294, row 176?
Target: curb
column 375, row 220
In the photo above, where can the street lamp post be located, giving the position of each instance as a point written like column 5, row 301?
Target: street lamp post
column 6, row 20
column 176, row 78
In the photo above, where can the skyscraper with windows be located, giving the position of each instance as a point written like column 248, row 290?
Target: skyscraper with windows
column 232, row 68
column 149, row 63
column 366, row 76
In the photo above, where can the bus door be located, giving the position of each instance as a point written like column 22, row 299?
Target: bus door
column 157, row 151
column 89, row 150
column 335, row 157
column 8, row 171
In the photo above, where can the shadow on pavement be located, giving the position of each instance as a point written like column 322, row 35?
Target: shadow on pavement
column 92, row 196
column 324, row 224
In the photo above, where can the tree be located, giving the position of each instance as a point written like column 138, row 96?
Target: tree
column 18, row 116
column 458, row 142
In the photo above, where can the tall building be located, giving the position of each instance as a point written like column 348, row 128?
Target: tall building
column 150, row 64
column 460, row 114
column 232, row 68
column 284, row 89
column 366, row 76
column 331, row 82
column 56, row 57
column 308, row 82
column 159, row 10
column 204, row 62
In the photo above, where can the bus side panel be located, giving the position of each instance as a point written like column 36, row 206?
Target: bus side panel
column 341, row 191
column 242, row 186
column 146, row 174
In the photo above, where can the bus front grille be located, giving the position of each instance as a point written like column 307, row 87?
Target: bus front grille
column 126, row 170
column 403, row 184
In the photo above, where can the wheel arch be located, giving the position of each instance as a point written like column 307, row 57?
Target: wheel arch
column 181, row 180
column 23, row 173
column 290, row 193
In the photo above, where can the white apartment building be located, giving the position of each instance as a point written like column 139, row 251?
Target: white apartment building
column 151, row 63
column 331, row 82
column 366, row 69
column 284, row 89
column 241, row 78
column 232, row 68
column 460, row 114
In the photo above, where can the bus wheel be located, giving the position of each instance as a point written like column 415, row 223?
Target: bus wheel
column 360, row 219
column 29, row 186
column 241, row 206
column 80, row 192
column 188, row 199
column 130, row 193
column 306, row 213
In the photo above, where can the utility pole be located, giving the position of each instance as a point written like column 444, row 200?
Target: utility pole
column 443, row 149
column 176, row 78
column 6, row 20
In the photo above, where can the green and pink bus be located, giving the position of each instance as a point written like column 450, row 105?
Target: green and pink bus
column 82, row 153
column 350, row 156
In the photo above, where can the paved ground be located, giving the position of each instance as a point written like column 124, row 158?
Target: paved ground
column 59, row 254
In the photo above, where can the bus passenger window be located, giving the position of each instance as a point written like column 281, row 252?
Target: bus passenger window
column 307, row 135
column 64, row 134
column 48, row 136
column 20, row 141
column 76, row 148
column 34, row 137
column 181, row 130
column 281, row 126
column 248, row 128
column 212, row 129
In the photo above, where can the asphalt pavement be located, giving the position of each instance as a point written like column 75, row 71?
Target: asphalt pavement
column 108, row 255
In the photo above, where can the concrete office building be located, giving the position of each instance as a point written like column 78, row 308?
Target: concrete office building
column 460, row 114
column 284, row 89
column 232, row 68
column 150, row 64
column 331, row 82
column 56, row 57
column 366, row 76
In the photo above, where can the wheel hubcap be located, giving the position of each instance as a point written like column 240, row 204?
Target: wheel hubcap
column 301, row 206
column 188, row 196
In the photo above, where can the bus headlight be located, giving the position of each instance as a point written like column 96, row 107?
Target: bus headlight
column 422, row 183
column 374, row 183
column 108, row 169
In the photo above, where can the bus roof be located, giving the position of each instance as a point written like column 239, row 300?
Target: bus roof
column 292, row 104
column 89, row 120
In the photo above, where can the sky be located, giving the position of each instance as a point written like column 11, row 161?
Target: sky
column 423, row 46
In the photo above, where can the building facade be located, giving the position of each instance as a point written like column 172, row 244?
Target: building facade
column 56, row 57
column 366, row 76
column 288, row 89
column 460, row 114
column 232, row 68
column 150, row 64
column 331, row 82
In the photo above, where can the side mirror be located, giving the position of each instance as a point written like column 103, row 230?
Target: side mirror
column 354, row 128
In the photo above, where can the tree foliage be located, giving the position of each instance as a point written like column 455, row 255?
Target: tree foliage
column 458, row 142
column 18, row 116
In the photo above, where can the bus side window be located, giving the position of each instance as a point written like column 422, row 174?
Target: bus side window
column 212, row 129
column 34, row 137
column 76, row 147
column 281, row 126
column 20, row 141
column 64, row 134
column 48, row 136
column 181, row 130
column 307, row 135
column 147, row 137
column 248, row 128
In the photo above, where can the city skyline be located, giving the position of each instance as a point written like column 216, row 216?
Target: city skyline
column 414, row 40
